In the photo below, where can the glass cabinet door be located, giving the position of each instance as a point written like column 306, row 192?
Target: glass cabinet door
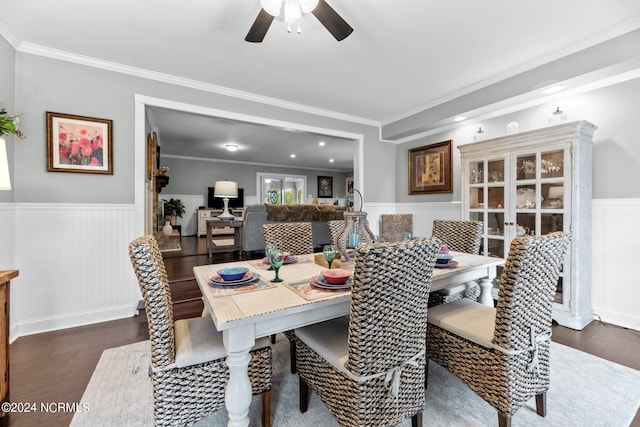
column 486, row 202
column 540, row 188
column 521, row 192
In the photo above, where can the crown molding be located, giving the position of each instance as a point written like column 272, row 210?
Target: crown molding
column 8, row 35
column 619, row 30
column 241, row 162
column 47, row 52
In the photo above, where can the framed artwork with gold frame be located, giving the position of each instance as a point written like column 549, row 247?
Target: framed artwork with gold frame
column 79, row 144
column 430, row 169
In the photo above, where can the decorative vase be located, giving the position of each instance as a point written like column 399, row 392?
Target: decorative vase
column 167, row 229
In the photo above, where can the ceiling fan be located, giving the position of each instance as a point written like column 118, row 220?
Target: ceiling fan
column 292, row 11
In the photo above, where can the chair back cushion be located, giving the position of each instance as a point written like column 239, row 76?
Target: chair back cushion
column 388, row 313
column 294, row 237
column 527, row 288
column 393, row 226
column 152, row 277
column 459, row 236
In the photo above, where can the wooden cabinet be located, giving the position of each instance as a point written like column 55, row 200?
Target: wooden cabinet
column 537, row 182
column 205, row 214
column 5, row 278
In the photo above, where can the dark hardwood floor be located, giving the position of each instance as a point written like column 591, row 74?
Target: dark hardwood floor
column 56, row 366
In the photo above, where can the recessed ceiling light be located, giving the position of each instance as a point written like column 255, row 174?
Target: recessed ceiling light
column 321, row 143
column 293, row 156
column 330, row 160
column 459, row 118
column 231, row 147
column 553, row 89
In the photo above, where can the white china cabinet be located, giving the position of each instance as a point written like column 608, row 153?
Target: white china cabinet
column 537, row 182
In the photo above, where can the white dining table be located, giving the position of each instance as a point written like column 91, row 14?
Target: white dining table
column 245, row 316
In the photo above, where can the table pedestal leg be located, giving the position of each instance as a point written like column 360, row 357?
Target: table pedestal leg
column 485, row 291
column 238, row 394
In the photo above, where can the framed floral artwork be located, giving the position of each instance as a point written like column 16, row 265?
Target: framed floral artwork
column 79, row 144
column 325, row 186
column 430, row 169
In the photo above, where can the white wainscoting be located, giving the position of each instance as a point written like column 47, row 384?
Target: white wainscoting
column 74, row 266
column 615, row 284
column 75, row 270
column 7, row 236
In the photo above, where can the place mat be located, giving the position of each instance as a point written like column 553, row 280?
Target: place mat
column 219, row 291
column 308, row 292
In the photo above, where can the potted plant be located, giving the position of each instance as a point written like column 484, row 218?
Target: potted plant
column 9, row 124
column 173, row 209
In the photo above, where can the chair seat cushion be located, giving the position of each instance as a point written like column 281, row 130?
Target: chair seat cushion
column 467, row 319
column 329, row 340
column 198, row 341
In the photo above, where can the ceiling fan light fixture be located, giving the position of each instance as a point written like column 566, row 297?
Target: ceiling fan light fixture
column 292, row 11
column 307, row 6
column 272, row 7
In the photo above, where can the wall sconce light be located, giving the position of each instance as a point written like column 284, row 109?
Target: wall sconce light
column 557, row 117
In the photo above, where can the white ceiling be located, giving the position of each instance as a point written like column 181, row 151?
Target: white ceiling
column 403, row 56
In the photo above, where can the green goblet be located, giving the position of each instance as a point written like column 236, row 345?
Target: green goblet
column 329, row 252
column 276, row 259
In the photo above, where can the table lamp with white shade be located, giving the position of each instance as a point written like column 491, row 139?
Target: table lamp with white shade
column 227, row 190
column 5, row 180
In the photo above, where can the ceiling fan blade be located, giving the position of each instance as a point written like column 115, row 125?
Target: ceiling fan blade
column 333, row 22
column 259, row 28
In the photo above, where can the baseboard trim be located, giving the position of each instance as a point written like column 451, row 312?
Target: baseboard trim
column 73, row 320
column 615, row 318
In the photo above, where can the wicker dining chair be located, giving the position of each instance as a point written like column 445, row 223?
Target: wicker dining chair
column 296, row 238
column 459, row 236
column 369, row 370
column 502, row 353
column 393, row 226
column 188, row 368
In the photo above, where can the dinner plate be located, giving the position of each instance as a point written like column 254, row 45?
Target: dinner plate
column 322, row 281
column 316, row 283
column 248, row 278
column 450, row 264
column 218, row 279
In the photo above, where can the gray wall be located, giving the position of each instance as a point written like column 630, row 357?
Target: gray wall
column 7, row 83
column 192, row 176
column 616, row 151
column 44, row 84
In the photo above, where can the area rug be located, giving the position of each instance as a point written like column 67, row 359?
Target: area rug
column 585, row 391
